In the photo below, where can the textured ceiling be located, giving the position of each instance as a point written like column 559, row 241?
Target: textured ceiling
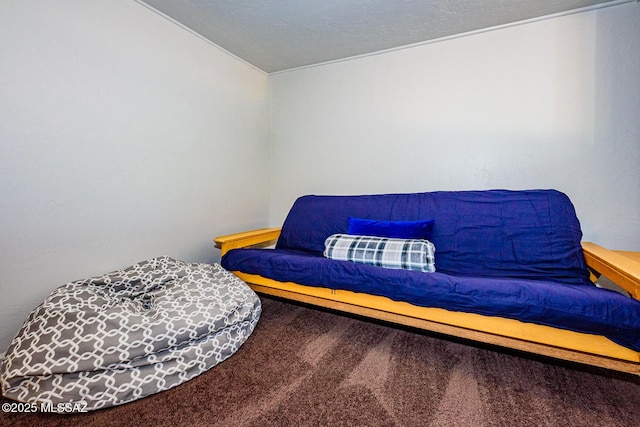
column 276, row 35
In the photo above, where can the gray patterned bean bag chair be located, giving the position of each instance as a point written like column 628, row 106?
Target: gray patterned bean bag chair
column 112, row 339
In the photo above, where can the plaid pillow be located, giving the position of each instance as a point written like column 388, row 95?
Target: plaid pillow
column 407, row 254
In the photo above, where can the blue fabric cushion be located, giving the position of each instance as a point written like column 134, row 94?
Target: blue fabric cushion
column 394, row 229
column 579, row 308
column 529, row 234
column 407, row 254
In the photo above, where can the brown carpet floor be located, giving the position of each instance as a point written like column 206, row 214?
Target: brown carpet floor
column 305, row 367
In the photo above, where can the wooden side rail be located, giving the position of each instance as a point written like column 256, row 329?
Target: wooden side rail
column 561, row 344
column 622, row 268
column 260, row 237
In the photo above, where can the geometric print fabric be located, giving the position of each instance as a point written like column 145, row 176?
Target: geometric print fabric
column 115, row 338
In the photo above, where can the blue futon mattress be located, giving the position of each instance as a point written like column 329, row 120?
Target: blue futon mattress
column 580, row 308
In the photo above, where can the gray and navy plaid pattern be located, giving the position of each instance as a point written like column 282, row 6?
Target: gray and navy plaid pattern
column 407, row 254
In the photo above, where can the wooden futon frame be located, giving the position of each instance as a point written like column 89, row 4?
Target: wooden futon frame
column 621, row 267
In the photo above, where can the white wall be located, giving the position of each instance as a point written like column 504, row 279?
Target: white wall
column 122, row 137
column 548, row 104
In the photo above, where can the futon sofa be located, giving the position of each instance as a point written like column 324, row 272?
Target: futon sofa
column 502, row 267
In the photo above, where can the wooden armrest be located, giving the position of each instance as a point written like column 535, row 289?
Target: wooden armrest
column 623, row 268
column 263, row 236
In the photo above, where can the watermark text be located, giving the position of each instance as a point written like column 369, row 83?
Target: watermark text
column 61, row 408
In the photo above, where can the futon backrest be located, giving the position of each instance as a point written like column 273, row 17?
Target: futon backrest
column 530, row 234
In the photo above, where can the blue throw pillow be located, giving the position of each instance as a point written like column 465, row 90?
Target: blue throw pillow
column 422, row 229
